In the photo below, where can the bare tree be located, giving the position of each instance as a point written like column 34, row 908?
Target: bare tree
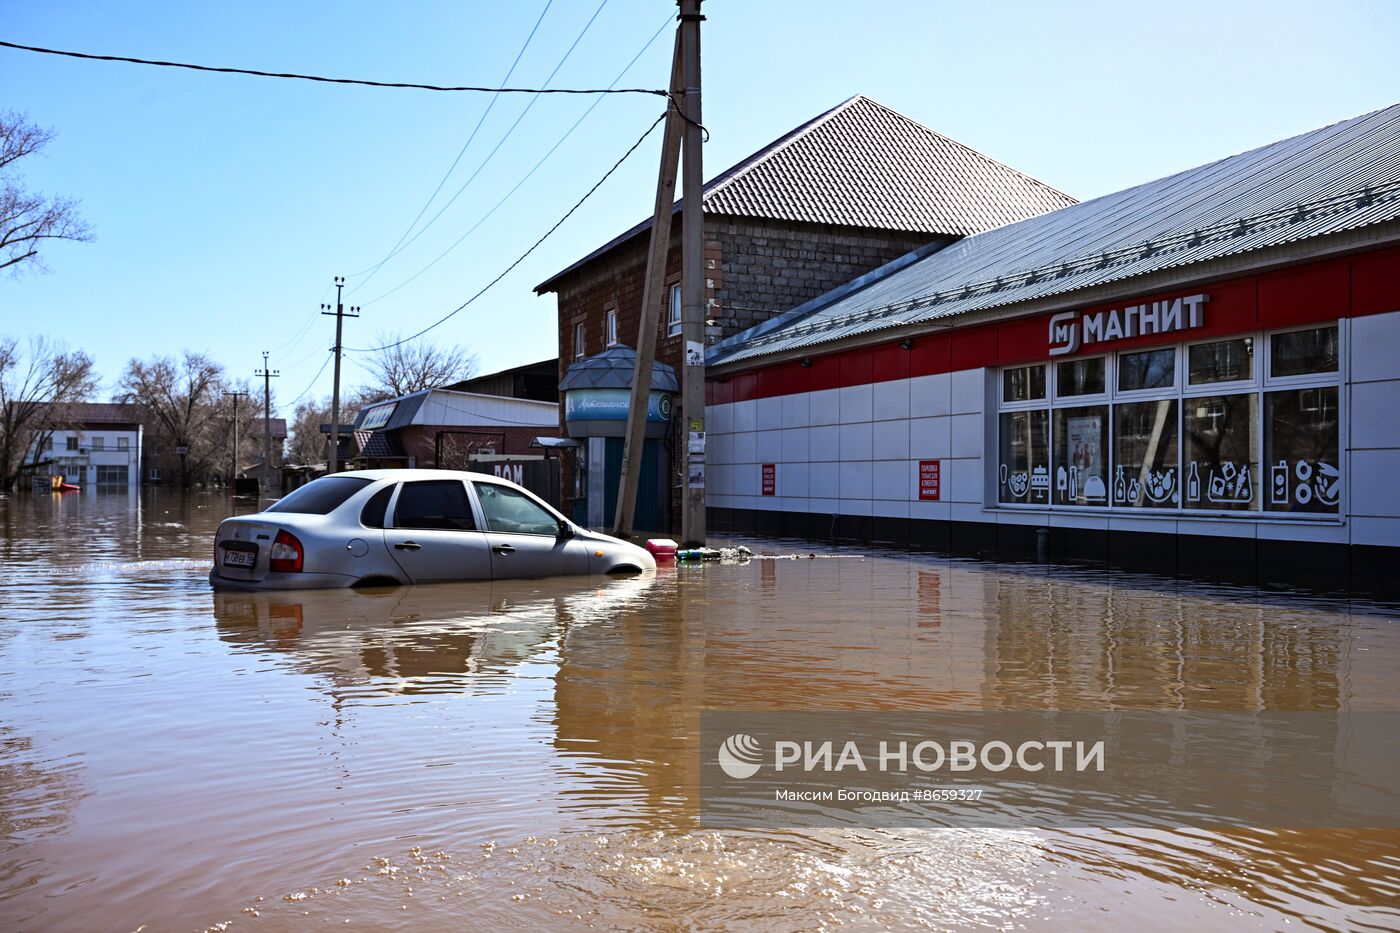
column 184, row 401
column 415, row 365
column 34, row 388
column 308, row 443
column 27, row 219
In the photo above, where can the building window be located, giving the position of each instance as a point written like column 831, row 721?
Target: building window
column 1234, row 438
column 1023, row 383
column 48, row 442
column 1302, row 352
column 1220, row 361
column 71, row 443
column 108, row 475
column 123, row 443
column 97, row 443
column 610, row 328
column 1080, row 377
column 579, row 347
column 673, row 311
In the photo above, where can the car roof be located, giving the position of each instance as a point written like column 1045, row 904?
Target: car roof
column 414, row 474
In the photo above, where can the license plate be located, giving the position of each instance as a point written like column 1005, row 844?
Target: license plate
column 239, row 558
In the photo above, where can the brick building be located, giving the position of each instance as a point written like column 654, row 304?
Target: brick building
column 853, row 190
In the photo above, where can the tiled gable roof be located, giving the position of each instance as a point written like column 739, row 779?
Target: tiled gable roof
column 862, row 164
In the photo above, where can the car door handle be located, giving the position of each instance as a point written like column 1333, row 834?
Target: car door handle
column 408, row 546
column 503, row 549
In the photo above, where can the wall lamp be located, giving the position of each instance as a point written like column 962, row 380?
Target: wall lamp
column 806, row 362
column 907, row 343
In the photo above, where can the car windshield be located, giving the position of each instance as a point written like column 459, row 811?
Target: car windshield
column 321, row 496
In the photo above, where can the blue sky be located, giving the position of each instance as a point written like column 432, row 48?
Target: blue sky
column 224, row 205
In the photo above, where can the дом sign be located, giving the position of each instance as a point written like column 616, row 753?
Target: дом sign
column 1073, row 330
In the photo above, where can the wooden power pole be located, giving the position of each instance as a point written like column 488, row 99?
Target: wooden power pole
column 653, row 303
column 235, row 395
column 693, row 310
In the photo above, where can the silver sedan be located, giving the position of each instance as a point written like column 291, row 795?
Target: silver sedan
column 386, row 527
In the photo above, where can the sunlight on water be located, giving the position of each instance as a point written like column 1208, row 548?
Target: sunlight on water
column 484, row 756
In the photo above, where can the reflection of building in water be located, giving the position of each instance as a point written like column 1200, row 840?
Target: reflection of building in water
column 1084, row 644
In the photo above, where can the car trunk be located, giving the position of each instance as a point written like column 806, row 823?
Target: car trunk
column 242, row 549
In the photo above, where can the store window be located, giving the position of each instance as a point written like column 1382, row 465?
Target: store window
column 1081, row 455
column 1220, row 361
column 1300, row 448
column 1023, row 383
column 1222, row 463
column 1226, row 436
column 1024, row 473
column 1302, row 352
column 1149, row 369
column 1080, row 377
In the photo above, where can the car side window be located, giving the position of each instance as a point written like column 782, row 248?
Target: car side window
column 435, row 504
column 510, row 510
column 372, row 515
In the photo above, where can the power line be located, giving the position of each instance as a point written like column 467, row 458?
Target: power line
column 559, row 223
column 499, row 143
column 327, row 80
column 463, row 151
column 311, row 383
column 526, row 177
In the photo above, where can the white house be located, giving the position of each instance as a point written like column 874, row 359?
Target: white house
column 98, row 445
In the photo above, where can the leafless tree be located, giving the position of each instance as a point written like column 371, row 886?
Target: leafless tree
column 308, row 444
column 184, row 401
column 28, row 219
column 35, row 386
column 415, row 365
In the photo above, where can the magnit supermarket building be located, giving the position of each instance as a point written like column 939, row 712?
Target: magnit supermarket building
column 1196, row 376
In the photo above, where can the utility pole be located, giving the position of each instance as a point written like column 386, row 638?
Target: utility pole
column 267, row 376
column 693, row 310
column 236, row 395
column 340, row 315
column 653, row 304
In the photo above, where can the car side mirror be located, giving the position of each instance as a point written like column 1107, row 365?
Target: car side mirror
column 565, row 530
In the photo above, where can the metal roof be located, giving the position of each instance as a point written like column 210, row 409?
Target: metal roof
column 862, row 164
column 613, row 369
column 1334, row 179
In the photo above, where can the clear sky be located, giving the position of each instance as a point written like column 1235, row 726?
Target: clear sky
column 223, row 205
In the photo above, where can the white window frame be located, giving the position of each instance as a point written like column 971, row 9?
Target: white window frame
column 673, row 309
column 1260, row 384
column 580, row 347
column 610, row 327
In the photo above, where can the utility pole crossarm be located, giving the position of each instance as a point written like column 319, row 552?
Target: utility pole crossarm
column 340, row 315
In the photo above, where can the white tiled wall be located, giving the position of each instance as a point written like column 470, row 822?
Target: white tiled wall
column 855, row 451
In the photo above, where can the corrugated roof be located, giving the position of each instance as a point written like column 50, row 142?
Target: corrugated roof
column 97, row 412
column 862, row 164
column 1334, row 179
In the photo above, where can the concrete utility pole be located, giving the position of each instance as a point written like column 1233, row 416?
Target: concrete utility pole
column 693, row 308
column 653, row 305
column 236, row 396
column 267, row 376
column 340, row 315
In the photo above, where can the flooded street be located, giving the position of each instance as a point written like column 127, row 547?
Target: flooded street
column 489, row 756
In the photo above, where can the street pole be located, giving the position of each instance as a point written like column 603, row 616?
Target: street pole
column 340, row 315
column 693, row 308
column 653, row 304
column 236, row 395
column 267, row 375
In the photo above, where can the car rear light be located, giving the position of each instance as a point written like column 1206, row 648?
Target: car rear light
column 286, row 554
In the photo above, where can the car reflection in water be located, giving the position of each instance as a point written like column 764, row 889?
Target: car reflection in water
column 399, row 641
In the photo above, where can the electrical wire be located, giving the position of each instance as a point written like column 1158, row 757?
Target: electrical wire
column 559, row 223
column 327, row 80
column 461, row 152
column 310, row 384
column 516, row 187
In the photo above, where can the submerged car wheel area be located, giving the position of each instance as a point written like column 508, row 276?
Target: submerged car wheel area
column 383, row 527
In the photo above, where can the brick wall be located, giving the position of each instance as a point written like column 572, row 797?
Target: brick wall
column 753, row 269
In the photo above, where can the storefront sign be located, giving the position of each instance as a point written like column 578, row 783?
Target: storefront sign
column 929, row 480
column 612, row 405
column 1073, row 330
column 376, row 417
column 770, row 479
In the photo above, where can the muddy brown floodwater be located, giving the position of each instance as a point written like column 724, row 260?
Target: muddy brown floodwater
column 491, row 756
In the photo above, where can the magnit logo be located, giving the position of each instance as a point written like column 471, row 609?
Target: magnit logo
column 740, row 756
column 1064, row 333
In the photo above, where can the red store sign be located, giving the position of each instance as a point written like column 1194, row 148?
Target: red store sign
column 929, row 480
column 770, row 479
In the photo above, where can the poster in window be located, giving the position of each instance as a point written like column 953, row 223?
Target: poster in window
column 1081, row 477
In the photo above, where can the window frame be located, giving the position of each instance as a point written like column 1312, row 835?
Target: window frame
column 673, row 309
column 473, row 485
column 610, row 328
column 1259, row 385
column 580, row 344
